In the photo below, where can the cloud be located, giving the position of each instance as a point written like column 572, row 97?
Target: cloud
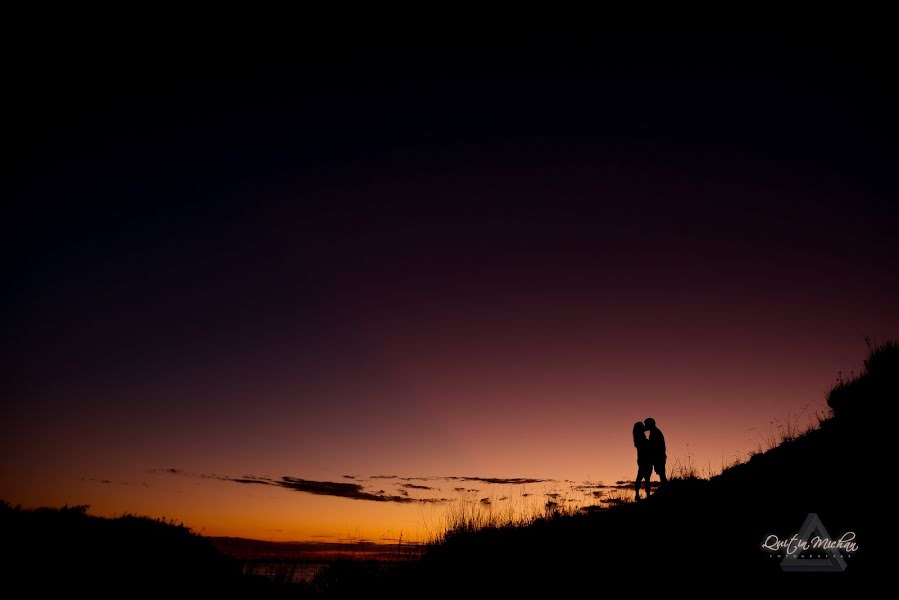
column 587, row 486
column 182, row 472
column 500, row 480
column 493, row 480
column 353, row 491
column 169, row 471
column 412, row 486
column 629, row 485
column 104, row 481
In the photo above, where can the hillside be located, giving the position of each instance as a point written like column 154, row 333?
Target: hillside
column 51, row 550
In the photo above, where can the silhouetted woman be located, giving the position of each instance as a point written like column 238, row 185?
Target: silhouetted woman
column 644, row 458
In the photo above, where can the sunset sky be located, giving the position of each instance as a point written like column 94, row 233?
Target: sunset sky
column 330, row 263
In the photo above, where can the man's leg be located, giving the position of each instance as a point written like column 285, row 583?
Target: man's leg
column 660, row 469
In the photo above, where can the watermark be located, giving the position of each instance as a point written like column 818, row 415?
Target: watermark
column 812, row 549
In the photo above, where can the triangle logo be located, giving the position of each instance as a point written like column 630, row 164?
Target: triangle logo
column 810, row 528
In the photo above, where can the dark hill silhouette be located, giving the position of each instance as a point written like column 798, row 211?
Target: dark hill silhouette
column 48, row 551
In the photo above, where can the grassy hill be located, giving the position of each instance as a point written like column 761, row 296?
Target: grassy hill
column 47, row 551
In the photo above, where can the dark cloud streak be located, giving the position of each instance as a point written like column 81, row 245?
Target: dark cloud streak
column 494, row 480
column 353, row 491
column 501, row 480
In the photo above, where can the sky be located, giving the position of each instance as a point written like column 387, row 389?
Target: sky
column 320, row 291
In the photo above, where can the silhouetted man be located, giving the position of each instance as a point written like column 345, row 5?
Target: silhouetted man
column 656, row 449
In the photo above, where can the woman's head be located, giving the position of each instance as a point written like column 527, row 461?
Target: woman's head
column 639, row 428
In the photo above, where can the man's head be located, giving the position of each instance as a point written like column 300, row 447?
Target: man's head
column 650, row 423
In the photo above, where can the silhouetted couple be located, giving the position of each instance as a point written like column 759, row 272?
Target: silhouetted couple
column 650, row 453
